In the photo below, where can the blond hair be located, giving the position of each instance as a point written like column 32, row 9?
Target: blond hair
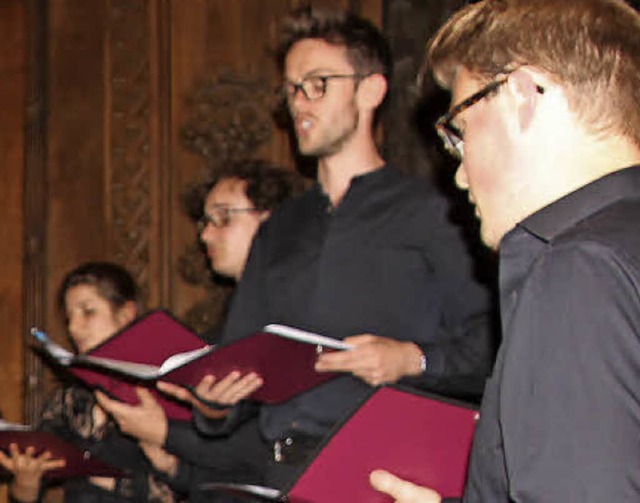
column 591, row 47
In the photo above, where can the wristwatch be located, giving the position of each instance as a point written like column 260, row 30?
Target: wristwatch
column 423, row 363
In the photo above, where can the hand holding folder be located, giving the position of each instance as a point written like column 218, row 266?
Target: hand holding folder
column 420, row 437
column 77, row 463
column 132, row 356
column 158, row 347
column 402, row 491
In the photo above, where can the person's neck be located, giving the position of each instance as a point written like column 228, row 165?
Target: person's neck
column 336, row 171
column 602, row 156
column 587, row 162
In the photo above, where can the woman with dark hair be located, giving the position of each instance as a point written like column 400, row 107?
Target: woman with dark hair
column 97, row 299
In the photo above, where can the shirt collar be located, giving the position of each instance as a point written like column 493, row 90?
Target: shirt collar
column 567, row 211
column 520, row 247
column 379, row 176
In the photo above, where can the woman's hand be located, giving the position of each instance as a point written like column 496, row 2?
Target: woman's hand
column 27, row 470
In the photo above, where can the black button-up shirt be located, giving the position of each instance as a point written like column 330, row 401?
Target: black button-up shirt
column 385, row 261
column 560, row 419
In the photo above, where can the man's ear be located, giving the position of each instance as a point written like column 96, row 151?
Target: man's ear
column 264, row 215
column 372, row 90
column 526, row 90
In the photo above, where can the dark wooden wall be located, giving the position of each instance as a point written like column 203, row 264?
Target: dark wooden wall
column 106, row 106
column 12, row 248
column 12, row 111
column 110, row 110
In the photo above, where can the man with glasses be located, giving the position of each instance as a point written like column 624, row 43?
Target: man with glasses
column 229, row 208
column 546, row 124
column 367, row 254
column 237, row 201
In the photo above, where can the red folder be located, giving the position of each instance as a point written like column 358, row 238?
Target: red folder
column 149, row 340
column 419, row 437
column 79, row 463
column 286, row 365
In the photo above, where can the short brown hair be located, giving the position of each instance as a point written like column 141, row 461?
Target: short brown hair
column 592, row 47
column 367, row 49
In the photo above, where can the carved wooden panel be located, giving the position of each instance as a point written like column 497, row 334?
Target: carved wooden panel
column 127, row 109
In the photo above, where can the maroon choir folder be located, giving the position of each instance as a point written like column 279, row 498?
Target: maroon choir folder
column 124, row 360
column 419, row 437
column 79, row 463
column 159, row 348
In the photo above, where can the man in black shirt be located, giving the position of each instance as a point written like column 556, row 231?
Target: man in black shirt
column 229, row 208
column 546, row 124
column 366, row 251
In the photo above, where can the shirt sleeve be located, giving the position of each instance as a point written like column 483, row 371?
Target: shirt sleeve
column 184, row 441
column 570, row 400
column 460, row 355
column 247, row 314
column 459, row 365
column 248, row 310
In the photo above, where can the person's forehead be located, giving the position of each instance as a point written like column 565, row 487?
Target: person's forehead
column 311, row 56
column 228, row 192
column 82, row 293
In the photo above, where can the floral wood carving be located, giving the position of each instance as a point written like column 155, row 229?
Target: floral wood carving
column 231, row 118
column 129, row 133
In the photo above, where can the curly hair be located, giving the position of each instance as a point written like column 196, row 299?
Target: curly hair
column 267, row 185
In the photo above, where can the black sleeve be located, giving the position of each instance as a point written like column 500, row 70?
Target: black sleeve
column 248, row 310
column 238, row 457
column 247, row 314
column 461, row 355
column 184, row 441
column 460, row 365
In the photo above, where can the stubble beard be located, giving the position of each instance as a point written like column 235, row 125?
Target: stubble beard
column 331, row 141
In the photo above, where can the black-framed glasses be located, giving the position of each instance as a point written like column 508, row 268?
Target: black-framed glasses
column 220, row 216
column 450, row 134
column 314, row 87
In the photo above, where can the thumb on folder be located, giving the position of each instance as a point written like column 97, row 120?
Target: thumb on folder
column 219, row 394
column 374, row 359
column 402, row 491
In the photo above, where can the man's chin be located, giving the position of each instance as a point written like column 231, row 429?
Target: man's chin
column 308, row 150
column 225, row 272
column 490, row 238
